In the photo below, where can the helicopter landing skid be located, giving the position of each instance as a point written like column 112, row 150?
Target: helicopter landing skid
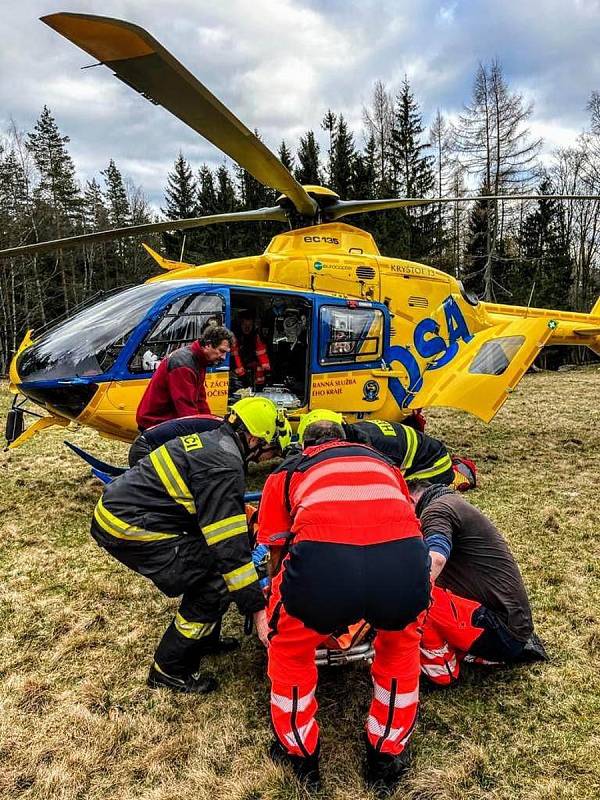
column 100, row 469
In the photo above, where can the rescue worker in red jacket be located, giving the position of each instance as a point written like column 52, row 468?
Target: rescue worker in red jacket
column 480, row 611
column 416, row 454
column 177, row 387
column 249, row 352
column 354, row 551
column 178, row 518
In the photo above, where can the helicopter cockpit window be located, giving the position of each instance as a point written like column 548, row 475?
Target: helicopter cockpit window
column 494, row 357
column 350, row 335
column 89, row 343
column 181, row 323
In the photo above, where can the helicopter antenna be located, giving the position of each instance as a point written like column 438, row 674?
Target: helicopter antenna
column 531, row 295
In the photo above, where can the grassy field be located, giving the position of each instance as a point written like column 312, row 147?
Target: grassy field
column 78, row 632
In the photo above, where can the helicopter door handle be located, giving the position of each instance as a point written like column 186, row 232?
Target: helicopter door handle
column 388, row 373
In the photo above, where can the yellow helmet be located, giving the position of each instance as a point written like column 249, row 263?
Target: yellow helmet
column 259, row 415
column 318, row 415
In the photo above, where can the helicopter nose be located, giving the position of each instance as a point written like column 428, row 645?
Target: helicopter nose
column 68, row 398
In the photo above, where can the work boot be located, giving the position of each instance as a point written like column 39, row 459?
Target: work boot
column 533, row 650
column 383, row 771
column 306, row 768
column 198, row 683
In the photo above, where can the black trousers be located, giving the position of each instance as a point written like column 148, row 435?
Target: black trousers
column 330, row 586
column 182, row 568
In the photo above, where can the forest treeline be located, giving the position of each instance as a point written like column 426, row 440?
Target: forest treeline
column 542, row 253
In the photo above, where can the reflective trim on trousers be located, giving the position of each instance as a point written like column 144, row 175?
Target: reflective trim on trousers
column 403, row 700
column 193, row 630
column 286, row 704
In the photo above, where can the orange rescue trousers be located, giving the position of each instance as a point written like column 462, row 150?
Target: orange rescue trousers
column 293, row 674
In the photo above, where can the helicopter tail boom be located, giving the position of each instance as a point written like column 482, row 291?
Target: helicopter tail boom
column 567, row 327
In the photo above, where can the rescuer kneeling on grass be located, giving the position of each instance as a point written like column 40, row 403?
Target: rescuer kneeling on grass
column 416, row 454
column 178, row 518
column 354, row 551
column 479, row 611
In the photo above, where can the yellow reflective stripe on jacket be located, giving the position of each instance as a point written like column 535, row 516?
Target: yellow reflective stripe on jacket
column 225, row 529
column 193, row 630
column 123, row 530
column 441, row 465
column 240, row 577
column 171, row 479
column 412, row 441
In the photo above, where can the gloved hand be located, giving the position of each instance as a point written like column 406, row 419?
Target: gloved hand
column 260, row 559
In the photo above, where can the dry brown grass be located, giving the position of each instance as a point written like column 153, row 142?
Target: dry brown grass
column 78, row 632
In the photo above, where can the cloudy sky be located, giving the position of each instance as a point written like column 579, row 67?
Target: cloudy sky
column 280, row 64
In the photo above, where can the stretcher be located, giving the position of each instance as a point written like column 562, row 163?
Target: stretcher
column 342, row 647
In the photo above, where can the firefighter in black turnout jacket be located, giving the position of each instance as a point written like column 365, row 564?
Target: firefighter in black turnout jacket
column 178, row 518
column 418, row 456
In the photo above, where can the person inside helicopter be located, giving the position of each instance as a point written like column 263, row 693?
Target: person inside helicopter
column 291, row 350
column 250, row 360
column 272, row 347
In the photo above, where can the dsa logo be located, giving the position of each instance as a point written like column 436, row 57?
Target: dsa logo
column 431, row 345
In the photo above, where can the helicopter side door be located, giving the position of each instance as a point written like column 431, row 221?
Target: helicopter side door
column 177, row 320
column 348, row 342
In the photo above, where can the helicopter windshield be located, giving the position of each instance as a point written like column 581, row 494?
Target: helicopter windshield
column 89, row 343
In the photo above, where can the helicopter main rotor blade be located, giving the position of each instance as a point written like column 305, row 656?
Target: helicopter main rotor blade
column 275, row 214
column 144, row 64
column 342, row 208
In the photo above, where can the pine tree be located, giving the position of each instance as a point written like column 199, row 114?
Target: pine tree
column 119, row 212
column 477, row 251
column 181, row 197
column 364, row 180
column 228, row 237
column 57, row 192
column 207, row 198
column 119, row 216
column 341, row 162
column 57, row 185
column 545, row 272
column 14, row 313
column 329, row 124
column 207, row 238
column 286, row 157
column 413, row 171
column 95, row 218
column 308, row 171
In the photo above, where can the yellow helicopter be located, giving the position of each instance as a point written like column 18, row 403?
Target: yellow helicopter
column 346, row 328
